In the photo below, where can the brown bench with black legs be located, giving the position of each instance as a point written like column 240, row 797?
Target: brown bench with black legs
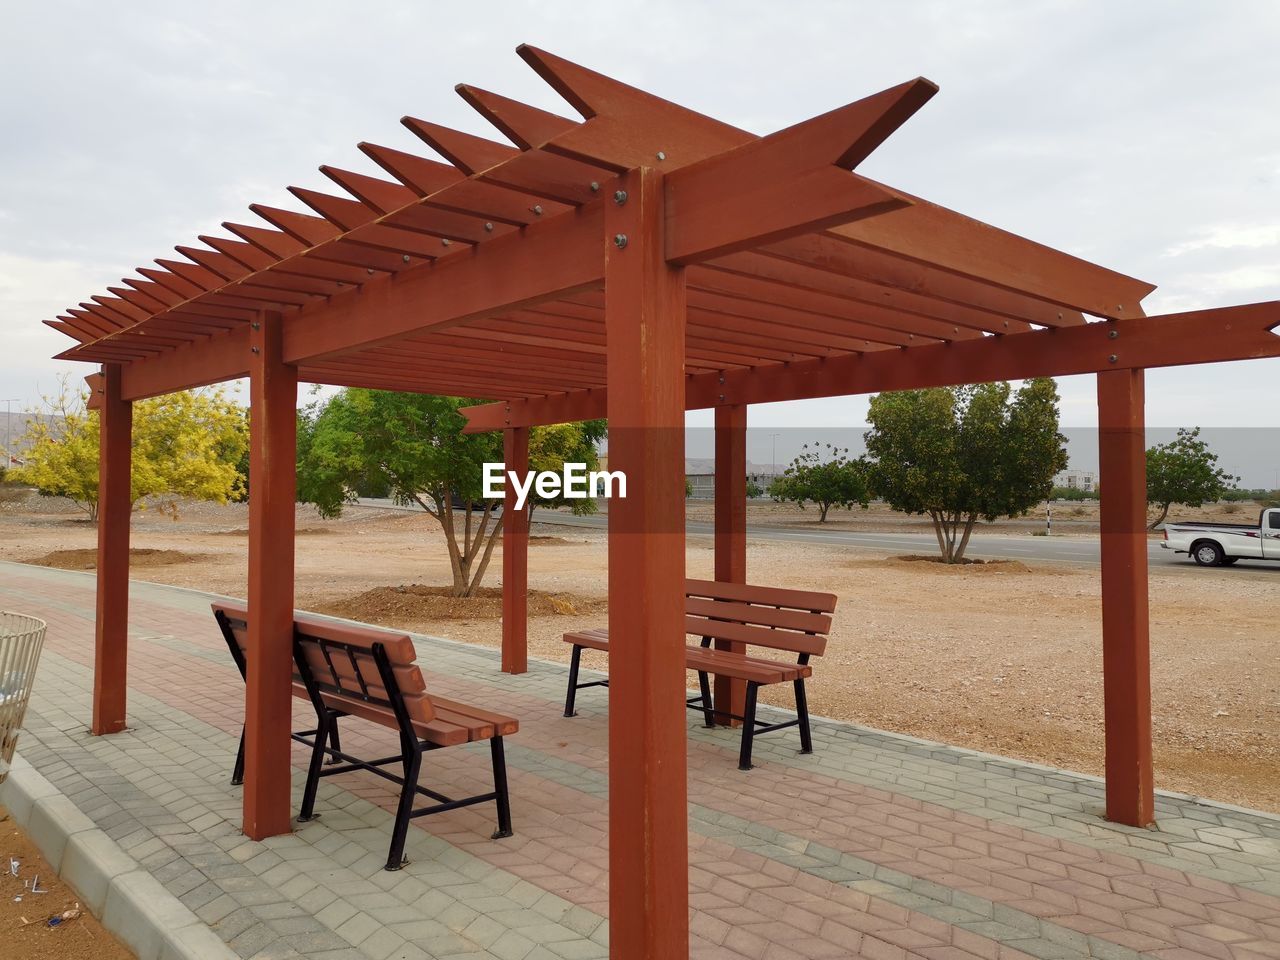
column 351, row 670
column 784, row 621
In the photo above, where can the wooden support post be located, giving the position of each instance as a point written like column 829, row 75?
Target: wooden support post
column 515, row 558
column 731, row 534
column 1126, row 660
column 648, row 821
column 273, row 398
column 115, row 503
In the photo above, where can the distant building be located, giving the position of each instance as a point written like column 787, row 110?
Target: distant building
column 1085, row 480
column 703, row 485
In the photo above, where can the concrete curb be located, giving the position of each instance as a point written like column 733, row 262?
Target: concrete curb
column 111, row 885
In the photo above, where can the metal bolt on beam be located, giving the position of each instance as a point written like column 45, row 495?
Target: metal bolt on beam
column 488, row 228
column 1112, row 334
column 619, row 197
column 405, row 258
column 1112, row 359
column 662, row 155
column 537, row 209
column 595, row 186
column 620, row 240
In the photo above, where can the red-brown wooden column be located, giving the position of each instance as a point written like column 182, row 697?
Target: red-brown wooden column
column 1126, row 659
column 648, row 825
column 273, row 399
column 515, row 557
column 731, row 532
column 115, row 502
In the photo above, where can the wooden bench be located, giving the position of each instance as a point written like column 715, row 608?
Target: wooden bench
column 783, row 621
column 351, row 670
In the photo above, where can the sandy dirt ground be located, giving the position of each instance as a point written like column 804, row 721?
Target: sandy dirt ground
column 25, row 933
column 1002, row 657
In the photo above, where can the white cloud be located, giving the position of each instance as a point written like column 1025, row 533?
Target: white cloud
column 1230, row 237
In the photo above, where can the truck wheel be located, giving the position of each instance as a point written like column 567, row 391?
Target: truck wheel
column 1207, row 553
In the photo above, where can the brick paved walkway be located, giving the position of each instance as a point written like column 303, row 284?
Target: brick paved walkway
column 877, row 845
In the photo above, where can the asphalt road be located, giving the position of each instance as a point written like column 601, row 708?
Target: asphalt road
column 1061, row 549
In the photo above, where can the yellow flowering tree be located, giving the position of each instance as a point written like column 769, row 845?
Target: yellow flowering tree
column 185, row 445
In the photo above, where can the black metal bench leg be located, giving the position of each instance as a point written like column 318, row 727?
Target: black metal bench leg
column 708, row 713
column 335, row 741
column 313, row 770
column 412, row 766
column 503, row 799
column 237, row 773
column 748, row 727
column 571, row 696
column 802, row 709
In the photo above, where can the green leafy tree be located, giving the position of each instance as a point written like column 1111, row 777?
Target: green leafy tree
column 754, row 490
column 551, row 447
column 185, row 445
column 1072, row 494
column 827, row 479
column 412, row 446
column 959, row 454
column 1184, row 471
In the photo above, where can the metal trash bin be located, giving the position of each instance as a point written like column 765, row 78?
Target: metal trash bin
column 21, row 638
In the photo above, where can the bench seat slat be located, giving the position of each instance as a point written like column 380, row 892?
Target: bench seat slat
column 499, row 723
column 753, row 669
column 721, row 662
column 595, row 639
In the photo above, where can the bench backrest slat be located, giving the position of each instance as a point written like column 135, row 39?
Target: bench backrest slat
column 768, row 596
column 780, row 619
column 799, row 620
column 340, row 659
column 790, row 640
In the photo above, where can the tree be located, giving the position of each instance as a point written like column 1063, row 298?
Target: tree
column 412, row 446
column 961, row 453
column 831, row 481
column 184, row 445
column 754, row 490
column 1184, row 471
column 551, row 447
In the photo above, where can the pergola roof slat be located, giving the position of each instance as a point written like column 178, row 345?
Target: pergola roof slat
column 384, row 196
column 522, row 124
column 843, row 258
column 762, row 266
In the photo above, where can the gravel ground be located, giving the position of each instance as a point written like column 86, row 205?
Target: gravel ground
column 25, row 933
column 1000, row 657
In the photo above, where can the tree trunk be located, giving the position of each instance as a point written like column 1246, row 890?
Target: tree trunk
column 937, row 530
column 1164, row 513
column 469, row 559
column 964, row 540
column 822, row 512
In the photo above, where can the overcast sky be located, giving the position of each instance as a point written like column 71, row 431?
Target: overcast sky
column 1143, row 136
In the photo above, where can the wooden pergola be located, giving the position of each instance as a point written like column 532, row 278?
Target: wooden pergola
column 637, row 263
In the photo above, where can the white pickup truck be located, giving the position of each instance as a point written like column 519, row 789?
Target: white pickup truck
column 1222, row 544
